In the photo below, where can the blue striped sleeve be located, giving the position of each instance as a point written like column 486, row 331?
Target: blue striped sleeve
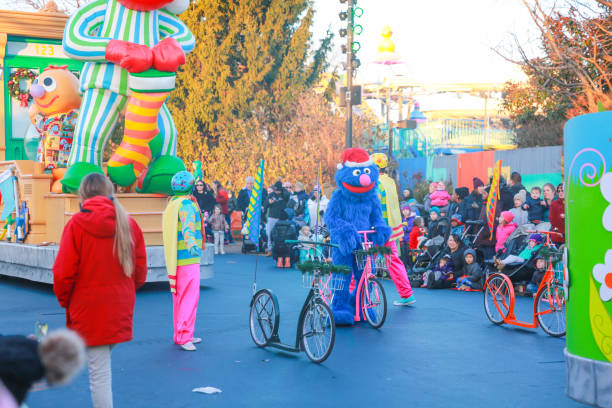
column 172, row 27
column 80, row 40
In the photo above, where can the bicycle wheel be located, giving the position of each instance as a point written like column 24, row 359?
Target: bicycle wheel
column 374, row 302
column 318, row 331
column 498, row 298
column 263, row 317
column 550, row 309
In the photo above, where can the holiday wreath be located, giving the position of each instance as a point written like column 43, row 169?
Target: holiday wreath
column 13, row 85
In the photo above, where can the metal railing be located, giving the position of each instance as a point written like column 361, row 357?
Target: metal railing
column 433, row 135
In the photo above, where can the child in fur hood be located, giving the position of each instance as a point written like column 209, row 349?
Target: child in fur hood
column 24, row 361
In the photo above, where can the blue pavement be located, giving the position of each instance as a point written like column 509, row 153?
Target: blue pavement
column 443, row 352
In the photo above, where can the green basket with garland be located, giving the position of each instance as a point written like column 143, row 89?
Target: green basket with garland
column 376, row 253
column 331, row 277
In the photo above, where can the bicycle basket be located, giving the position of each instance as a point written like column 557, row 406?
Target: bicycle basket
column 558, row 271
column 307, row 278
column 335, row 282
column 361, row 259
column 380, row 263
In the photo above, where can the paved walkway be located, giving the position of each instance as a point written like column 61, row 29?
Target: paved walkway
column 441, row 353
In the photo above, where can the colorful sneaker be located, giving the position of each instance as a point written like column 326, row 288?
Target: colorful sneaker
column 405, row 301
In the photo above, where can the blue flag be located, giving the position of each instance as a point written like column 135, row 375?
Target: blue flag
column 253, row 217
column 7, row 189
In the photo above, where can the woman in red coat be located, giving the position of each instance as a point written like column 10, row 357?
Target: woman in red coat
column 100, row 264
column 557, row 216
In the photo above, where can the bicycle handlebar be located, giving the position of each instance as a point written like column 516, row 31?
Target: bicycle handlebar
column 544, row 232
column 293, row 241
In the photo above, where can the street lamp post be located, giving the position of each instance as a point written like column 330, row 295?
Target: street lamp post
column 349, row 76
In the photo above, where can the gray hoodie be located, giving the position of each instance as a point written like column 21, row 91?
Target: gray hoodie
column 473, row 270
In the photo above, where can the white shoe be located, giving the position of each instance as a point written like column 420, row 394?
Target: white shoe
column 188, row 346
column 196, row 340
column 216, row 252
column 222, row 252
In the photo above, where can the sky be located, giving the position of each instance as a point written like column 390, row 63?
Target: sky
column 440, row 41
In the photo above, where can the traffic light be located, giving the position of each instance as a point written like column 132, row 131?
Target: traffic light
column 352, row 62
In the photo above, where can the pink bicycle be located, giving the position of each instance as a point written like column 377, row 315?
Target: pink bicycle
column 371, row 298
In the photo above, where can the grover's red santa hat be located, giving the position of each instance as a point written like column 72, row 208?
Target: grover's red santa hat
column 355, row 157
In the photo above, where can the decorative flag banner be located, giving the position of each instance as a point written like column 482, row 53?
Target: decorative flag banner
column 316, row 231
column 253, row 217
column 7, row 189
column 493, row 197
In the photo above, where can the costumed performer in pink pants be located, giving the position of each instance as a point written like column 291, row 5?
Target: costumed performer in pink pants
column 182, row 232
column 387, row 192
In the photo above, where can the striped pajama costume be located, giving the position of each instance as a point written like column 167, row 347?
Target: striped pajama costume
column 105, row 86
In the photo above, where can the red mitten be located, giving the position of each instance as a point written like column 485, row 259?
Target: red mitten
column 130, row 56
column 168, row 55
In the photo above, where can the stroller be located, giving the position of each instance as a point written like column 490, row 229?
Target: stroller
column 250, row 246
column 520, row 272
column 427, row 258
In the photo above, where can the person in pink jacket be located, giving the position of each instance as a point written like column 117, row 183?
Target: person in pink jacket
column 505, row 228
column 440, row 197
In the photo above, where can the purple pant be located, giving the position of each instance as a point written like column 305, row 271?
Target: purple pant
column 397, row 270
column 185, row 302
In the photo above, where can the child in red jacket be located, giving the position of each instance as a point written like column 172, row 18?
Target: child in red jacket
column 100, row 263
column 417, row 231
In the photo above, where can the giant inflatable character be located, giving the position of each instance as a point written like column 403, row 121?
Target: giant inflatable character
column 354, row 206
column 588, row 226
column 54, row 113
column 131, row 49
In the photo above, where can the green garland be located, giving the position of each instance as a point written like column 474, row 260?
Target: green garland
column 376, row 250
column 324, row 268
column 13, row 85
column 550, row 254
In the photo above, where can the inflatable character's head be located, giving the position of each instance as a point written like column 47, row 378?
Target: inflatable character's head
column 182, row 183
column 55, row 91
column 173, row 6
column 357, row 175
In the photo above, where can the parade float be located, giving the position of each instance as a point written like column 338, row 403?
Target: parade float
column 588, row 186
column 61, row 100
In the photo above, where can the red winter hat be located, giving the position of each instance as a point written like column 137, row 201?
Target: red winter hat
column 355, row 157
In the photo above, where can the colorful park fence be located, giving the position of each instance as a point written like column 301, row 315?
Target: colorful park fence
column 537, row 165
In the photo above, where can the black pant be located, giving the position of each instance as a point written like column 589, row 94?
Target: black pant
column 433, row 283
column 406, row 255
column 228, row 218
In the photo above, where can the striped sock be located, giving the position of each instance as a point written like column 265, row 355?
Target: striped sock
column 140, row 129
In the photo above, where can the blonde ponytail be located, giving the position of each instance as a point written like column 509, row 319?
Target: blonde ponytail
column 95, row 184
column 124, row 246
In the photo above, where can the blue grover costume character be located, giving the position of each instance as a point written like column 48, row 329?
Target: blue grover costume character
column 354, row 206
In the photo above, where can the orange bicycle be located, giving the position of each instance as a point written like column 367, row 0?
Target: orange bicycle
column 549, row 300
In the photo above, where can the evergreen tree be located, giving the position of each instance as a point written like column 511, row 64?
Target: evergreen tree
column 253, row 59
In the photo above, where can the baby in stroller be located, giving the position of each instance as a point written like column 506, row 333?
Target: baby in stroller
column 441, row 276
column 428, row 256
column 533, row 245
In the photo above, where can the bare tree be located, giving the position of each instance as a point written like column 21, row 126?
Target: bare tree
column 578, row 49
column 62, row 6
